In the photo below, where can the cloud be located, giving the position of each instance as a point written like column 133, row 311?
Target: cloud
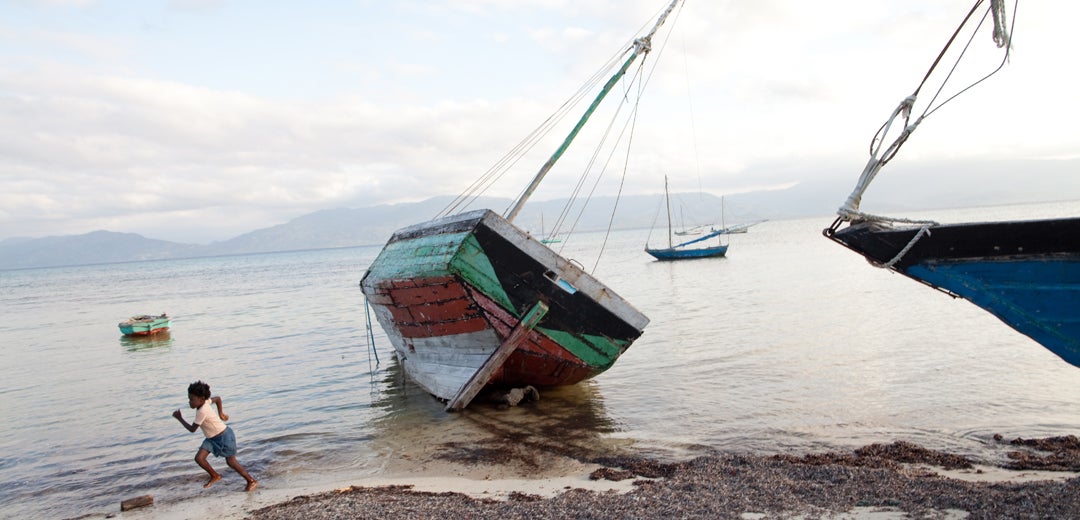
column 199, row 6
column 110, row 125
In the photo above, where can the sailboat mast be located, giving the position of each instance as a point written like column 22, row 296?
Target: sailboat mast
column 641, row 46
column 722, row 224
column 667, row 200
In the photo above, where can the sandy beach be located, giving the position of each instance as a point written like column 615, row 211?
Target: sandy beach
column 505, row 479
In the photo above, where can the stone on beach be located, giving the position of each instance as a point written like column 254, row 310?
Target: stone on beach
column 137, row 502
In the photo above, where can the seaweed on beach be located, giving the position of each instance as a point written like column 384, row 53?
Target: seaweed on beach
column 884, row 456
column 874, row 478
column 1064, row 453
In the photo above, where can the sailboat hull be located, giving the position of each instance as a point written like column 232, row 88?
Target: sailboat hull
column 684, row 254
column 449, row 292
column 1027, row 273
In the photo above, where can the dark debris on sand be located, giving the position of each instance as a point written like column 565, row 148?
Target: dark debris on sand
column 1061, row 453
column 728, row 486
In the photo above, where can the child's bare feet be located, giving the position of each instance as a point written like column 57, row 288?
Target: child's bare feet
column 252, row 485
column 213, row 478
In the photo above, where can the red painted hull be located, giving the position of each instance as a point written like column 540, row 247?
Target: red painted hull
column 148, row 333
column 443, row 306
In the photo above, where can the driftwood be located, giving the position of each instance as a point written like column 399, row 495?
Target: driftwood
column 133, row 503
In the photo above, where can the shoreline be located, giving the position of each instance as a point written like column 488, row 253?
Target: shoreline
column 878, row 481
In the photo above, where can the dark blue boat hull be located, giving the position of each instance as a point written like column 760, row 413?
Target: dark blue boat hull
column 1038, row 297
column 683, row 254
column 1026, row 273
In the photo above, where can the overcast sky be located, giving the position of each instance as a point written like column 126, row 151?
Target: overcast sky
column 198, row 120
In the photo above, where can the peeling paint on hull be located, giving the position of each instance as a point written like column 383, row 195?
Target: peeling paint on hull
column 449, row 291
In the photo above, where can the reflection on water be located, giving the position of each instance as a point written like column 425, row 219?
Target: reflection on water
column 161, row 340
column 568, row 421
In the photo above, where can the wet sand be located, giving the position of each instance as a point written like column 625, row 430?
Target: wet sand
column 898, row 480
column 509, row 464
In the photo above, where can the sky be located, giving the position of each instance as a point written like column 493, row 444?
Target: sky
column 198, row 120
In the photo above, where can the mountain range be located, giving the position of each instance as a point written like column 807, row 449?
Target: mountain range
column 349, row 227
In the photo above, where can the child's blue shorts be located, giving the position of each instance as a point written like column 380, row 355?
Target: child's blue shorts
column 222, row 445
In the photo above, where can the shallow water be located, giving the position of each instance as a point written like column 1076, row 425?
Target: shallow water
column 789, row 344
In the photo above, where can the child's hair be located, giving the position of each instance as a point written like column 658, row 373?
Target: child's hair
column 199, row 389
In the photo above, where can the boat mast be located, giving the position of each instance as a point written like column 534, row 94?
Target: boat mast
column 641, row 46
column 723, row 226
column 667, row 200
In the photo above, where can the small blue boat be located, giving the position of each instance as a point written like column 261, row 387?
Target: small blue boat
column 677, row 253
column 681, row 251
column 145, row 325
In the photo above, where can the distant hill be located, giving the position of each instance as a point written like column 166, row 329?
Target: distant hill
column 342, row 227
column 98, row 247
column 374, row 225
column 347, row 227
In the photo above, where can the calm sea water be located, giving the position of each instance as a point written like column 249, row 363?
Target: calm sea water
column 790, row 344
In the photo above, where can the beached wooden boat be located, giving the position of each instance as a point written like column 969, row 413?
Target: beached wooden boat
column 450, row 292
column 1024, row 272
column 470, row 300
column 145, row 325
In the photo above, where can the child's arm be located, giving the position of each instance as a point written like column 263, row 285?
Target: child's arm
column 180, row 417
column 221, row 413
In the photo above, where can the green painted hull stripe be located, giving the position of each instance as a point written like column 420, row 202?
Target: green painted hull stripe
column 598, row 352
column 472, row 264
column 422, row 257
column 460, row 254
column 442, row 255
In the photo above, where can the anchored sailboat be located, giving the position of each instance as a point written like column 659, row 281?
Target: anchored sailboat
column 471, row 300
column 682, row 251
column 1027, row 273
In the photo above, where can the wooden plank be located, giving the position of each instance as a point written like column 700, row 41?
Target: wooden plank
column 443, row 328
column 483, row 374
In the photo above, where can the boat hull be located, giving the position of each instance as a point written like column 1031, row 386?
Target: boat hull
column 1027, row 273
column 449, row 292
column 144, row 326
column 683, row 254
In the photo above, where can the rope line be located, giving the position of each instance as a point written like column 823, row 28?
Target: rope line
column 849, row 211
column 924, row 230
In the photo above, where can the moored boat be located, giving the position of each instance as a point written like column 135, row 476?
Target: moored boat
column 681, row 251
column 145, row 325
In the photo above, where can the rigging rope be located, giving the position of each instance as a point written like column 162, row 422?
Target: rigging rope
column 507, row 161
column 644, row 80
column 849, row 211
column 643, row 46
column 924, row 230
